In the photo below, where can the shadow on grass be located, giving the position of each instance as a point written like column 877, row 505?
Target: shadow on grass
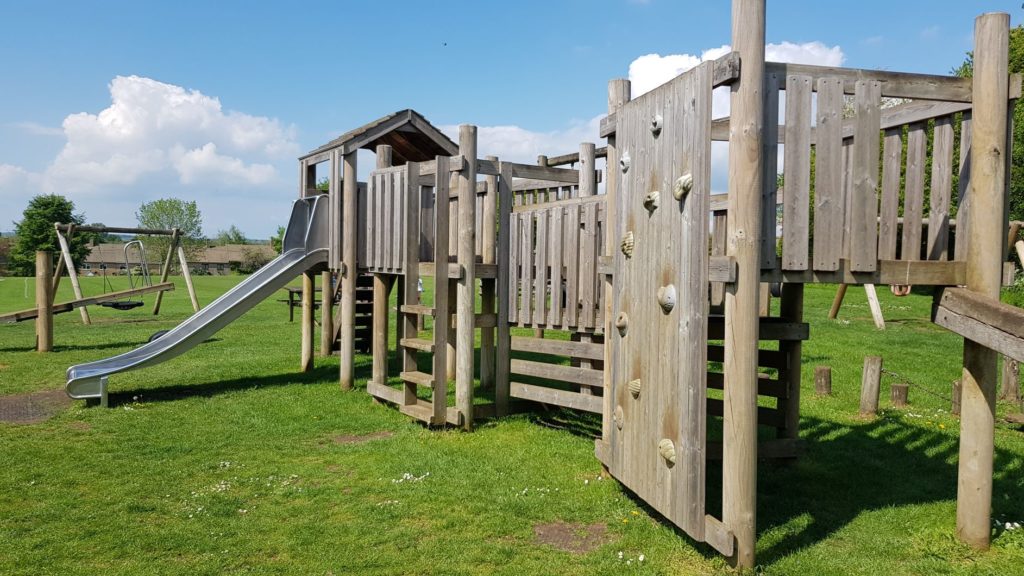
column 211, row 389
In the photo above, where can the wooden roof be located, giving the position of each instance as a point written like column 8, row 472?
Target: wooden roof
column 410, row 135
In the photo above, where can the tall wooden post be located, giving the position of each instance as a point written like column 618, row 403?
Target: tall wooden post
column 381, row 292
column 466, row 287
column 618, row 94
column 308, row 295
column 984, row 265
column 349, row 193
column 44, row 301
column 739, row 450
column 488, row 288
column 187, row 275
column 69, row 263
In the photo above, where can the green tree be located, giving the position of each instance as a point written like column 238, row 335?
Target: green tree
column 1016, row 64
column 277, row 240
column 35, row 232
column 230, row 236
column 168, row 213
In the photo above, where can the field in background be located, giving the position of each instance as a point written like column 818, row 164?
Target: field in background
column 227, row 460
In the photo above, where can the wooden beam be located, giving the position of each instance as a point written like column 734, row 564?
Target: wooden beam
column 983, row 320
column 44, row 301
column 894, row 84
column 22, row 315
column 349, row 272
column 466, row 285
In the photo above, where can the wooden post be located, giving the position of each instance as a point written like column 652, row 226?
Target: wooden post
column 792, row 310
column 349, row 193
column 503, row 346
column 466, row 288
column 899, row 393
column 837, row 302
column 746, row 125
column 166, row 269
column 542, row 160
column 957, row 397
column 326, row 314
column 187, row 275
column 308, row 295
column 619, row 91
column 823, row 380
column 44, row 301
column 488, row 287
column 870, row 385
column 587, row 187
column 984, row 267
column 382, row 284
column 875, row 306
column 1010, row 391
column 65, row 251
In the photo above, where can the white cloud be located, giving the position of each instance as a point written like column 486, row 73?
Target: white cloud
column 156, row 140
column 517, row 144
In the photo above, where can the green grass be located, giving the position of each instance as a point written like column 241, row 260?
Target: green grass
column 223, row 461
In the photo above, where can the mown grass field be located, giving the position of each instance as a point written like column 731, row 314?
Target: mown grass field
column 228, row 461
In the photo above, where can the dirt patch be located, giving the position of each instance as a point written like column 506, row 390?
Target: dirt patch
column 80, row 426
column 572, row 537
column 4, row 366
column 32, row 408
column 360, row 438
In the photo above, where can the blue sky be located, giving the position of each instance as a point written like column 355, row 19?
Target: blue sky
column 115, row 103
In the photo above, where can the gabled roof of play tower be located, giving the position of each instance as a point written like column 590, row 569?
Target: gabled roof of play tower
column 410, row 135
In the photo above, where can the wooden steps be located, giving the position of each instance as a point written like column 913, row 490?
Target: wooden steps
column 418, row 378
column 417, row 309
column 421, row 344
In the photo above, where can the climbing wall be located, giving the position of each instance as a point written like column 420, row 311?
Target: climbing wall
column 659, row 343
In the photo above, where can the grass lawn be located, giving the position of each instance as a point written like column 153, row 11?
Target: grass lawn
column 228, row 461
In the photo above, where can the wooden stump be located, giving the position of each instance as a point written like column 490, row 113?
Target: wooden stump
column 1010, row 391
column 823, row 380
column 870, row 385
column 899, row 395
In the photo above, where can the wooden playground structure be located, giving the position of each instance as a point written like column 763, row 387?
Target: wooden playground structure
column 48, row 280
column 652, row 289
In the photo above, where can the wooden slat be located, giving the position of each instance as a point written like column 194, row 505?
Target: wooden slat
column 913, row 197
column 418, row 378
column 588, row 258
column 963, row 206
column 863, row 217
column 919, row 272
column 410, row 198
column 417, row 343
column 556, row 397
column 514, row 249
column 828, row 199
column 570, row 374
column 572, row 265
column 585, row 350
column 556, row 252
column 892, row 167
column 770, row 167
column 987, row 321
column 528, row 254
column 541, row 270
column 797, row 174
column 941, row 189
column 439, row 362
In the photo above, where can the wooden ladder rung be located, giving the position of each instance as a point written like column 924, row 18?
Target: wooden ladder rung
column 418, row 344
column 417, row 309
column 421, row 410
column 418, row 378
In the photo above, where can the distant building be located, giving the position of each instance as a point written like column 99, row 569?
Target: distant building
column 109, row 258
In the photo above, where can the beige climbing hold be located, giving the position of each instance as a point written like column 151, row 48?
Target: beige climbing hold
column 627, row 244
column 634, row 388
column 618, row 417
column 683, row 186
column 668, row 451
column 667, row 297
column 622, row 323
column 652, row 200
column 624, row 162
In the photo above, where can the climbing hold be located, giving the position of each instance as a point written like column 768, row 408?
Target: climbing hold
column 683, row 186
column 621, row 323
column 652, row 200
column 668, row 451
column 634, row 388
column 627, row 244
column 618, row 417
column 624, row 162
column 667, row 297
column 656, row 122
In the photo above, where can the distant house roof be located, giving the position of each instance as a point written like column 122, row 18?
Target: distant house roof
column 410, row 135
column 112, row 254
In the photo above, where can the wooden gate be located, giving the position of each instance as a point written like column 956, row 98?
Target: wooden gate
column 658, row 349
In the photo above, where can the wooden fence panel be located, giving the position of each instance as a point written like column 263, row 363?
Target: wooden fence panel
column 829, row 204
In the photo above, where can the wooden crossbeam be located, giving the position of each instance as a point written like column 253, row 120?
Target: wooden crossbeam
column 29, row 314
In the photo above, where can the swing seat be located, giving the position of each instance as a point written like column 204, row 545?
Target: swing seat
column 122, row 304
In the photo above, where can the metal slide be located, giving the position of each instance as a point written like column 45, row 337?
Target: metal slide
column 305, row 245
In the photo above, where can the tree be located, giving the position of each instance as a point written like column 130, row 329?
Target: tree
column 168, row 213
column 252, row 260
column 230, row 236
column 1016, row 65
column 277, row 240
column 36, row 232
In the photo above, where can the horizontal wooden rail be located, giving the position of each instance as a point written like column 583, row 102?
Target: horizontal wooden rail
column 21, row 315
column 988, row 322
column 553, row 347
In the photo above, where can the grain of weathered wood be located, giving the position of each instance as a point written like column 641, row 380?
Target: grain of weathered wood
column 863, row 216
column 894, row 84
column 569, row 374
column 553, row 347
column 892, row 164
column 439, row 367
column 870, row 385
column 513, row 237
column 557, row 254
column 506, row 291
column 797, row 173
column 829, row 203
column 941, row 189
column 963, row 185
column 540, row 288
column 466, row 285
column 913, row 196
column 556, row 397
